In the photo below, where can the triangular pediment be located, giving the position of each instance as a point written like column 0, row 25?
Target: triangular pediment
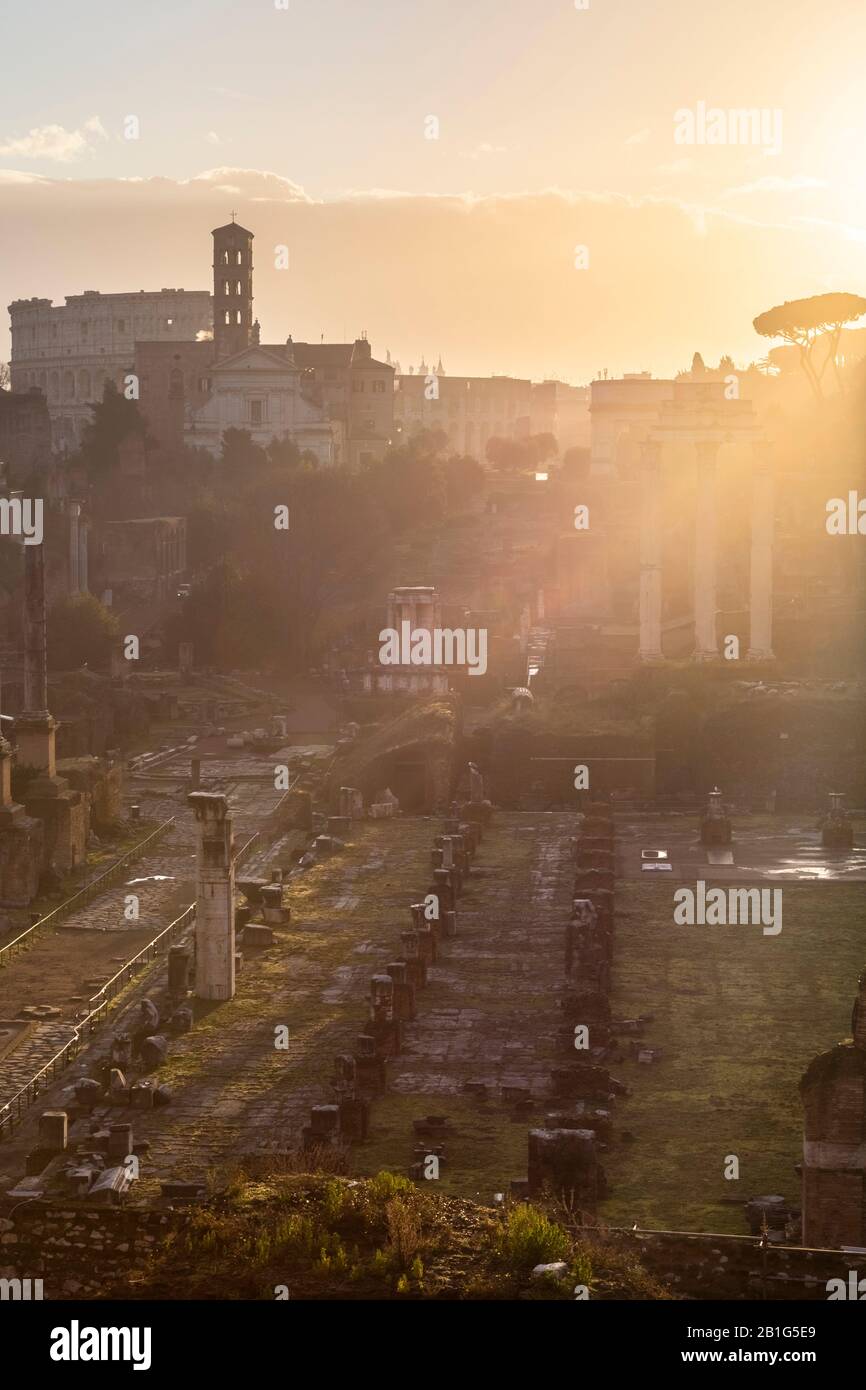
column 254, row 359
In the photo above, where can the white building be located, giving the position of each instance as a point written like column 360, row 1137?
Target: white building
column 258, row 390
column 70, row 350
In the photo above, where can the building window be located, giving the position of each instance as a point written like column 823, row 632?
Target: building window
column 379, row 387
column 238, row 318
column 240, row 258
column 357, row 385
column 239, row 290
column 256, row 412
column 228, row 288
column 228, row 316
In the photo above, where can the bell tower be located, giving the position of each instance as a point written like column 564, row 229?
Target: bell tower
column 232, row 289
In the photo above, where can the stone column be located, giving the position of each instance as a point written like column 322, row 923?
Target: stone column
column 35, row 641
column 525, row 626
column 650, row 552
column 5, row 768
column 35, row 728
column 83, row 541
column 476, row 786
column 761, row 562
column 74, row 546
column 706, row 647
column 214, row 923
column 5, row 772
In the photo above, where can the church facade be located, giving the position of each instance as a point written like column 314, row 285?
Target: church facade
column 260, row 390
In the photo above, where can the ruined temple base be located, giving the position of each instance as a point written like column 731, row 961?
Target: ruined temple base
column 21, row 856
column 66, row 822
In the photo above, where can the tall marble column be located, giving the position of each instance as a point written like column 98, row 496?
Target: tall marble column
column 35, row 728
column 215, row 916
column 761, row 561
column 650, row 552
column 706, row 645
column 74, row 547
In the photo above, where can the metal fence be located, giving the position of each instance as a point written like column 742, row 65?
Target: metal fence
column 97, row 1008
column 245, row 850
column 84, row 895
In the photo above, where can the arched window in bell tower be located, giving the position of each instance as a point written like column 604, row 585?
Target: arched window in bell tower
column 232, row 289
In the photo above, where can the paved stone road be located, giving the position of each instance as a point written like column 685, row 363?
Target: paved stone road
column 488, row 1013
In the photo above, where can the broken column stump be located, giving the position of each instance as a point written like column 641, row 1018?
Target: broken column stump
column 382, row 1025
column 214, row 923
column 369, row 1065
column 323, row 1129
column 715, row 823
column 354, row 1108
column 837, row 828
column 404, row 990
column 565, row 1161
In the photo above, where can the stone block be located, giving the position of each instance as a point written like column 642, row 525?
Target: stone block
column 153, row 1051
column 141, row 1096
column 179, row 961
column 565, row 1160
column 257, row 935
column 119, row 1142
column 53, row 1131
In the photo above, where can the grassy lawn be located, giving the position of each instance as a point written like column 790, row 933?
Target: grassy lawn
column 739, row 1016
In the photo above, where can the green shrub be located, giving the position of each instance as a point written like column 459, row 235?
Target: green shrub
column 529, row 1238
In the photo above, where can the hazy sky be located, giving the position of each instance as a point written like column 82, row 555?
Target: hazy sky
column 556, row 129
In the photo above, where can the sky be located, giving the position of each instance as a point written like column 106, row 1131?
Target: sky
column 562, row 218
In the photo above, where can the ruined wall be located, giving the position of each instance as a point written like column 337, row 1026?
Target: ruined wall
column 81, row 1252
column 101, row 783
column 77, row 1251
column 735, row 1267
column 525, row 759
column 780, row 740
column 21, row 855
column 413, row 755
